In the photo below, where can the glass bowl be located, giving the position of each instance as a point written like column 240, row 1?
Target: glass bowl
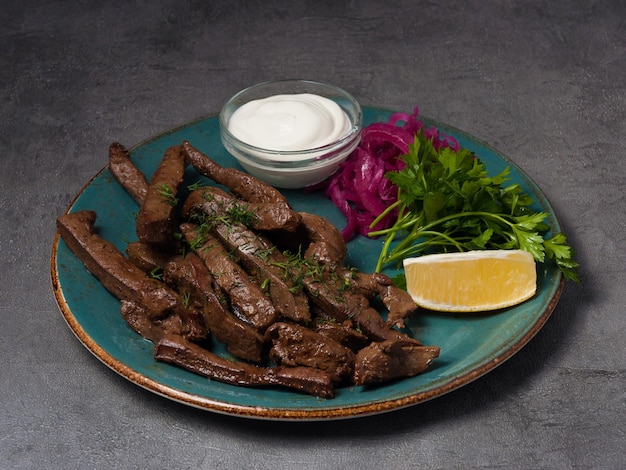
column 292, row 168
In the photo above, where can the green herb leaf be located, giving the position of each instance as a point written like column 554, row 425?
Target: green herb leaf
column 448, row 202
column 168, row 194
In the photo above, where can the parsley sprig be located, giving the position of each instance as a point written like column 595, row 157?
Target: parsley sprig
column 447, row 202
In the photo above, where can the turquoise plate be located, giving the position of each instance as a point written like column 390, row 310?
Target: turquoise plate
column 471, row 345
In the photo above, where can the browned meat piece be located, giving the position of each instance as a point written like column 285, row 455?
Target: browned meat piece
column 398, row 301
column 263, row 262
column 369, row 321
column 327, row 244
column 390, row 360
column 138, row 319
column 156, row 222
column 176, row 350
column 116, row 273
column 148, row 257
column 237, row 285
column 336, row 296
column 267, row 216
column 190, row 326
column 295, row 345
column 126, row 173
column 343, row 333
column 368, row 284
column 242, row 184
column 329, row 292
column 240, row 339
column 326, row 292
column 191, row 275
column 246, row 297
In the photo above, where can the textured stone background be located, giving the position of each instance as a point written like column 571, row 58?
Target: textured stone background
column 542, row 81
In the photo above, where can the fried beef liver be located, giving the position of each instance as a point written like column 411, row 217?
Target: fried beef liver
column 263, row 216
column 116, row 273
column 157, row 222
column 309, row 314
column 263, row 262
column 190, row 325
column 137, row 318
column 398, row 302
column 371, row 323
column 126, row 173
column 334, row 295
column 148, row 257
column 191, row 275
column 389, row 360
column 246, row 298
column 242, row 184
column 326, row 242
column 343, row 333
column 296, row 345
column 178, row 351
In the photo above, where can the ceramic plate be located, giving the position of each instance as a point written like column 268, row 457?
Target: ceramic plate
column 471, row 345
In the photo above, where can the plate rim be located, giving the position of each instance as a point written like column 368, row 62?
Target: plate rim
column 295, row 414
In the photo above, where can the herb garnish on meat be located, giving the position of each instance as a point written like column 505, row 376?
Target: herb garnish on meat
column 167, row 193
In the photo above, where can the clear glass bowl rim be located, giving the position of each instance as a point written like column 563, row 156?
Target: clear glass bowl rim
column 354, row 132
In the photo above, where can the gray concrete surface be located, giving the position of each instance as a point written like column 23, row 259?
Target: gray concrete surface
column 544, row 82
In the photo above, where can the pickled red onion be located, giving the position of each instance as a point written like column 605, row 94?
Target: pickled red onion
column 360, row 189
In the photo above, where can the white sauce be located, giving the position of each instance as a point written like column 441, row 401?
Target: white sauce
column 289, row 122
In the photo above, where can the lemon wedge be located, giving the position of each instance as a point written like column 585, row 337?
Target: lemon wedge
column 471, row 281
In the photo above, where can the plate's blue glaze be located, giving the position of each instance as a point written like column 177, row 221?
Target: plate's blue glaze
column 471, row 345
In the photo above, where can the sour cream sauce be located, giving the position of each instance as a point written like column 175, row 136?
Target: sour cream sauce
column 289, row 122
